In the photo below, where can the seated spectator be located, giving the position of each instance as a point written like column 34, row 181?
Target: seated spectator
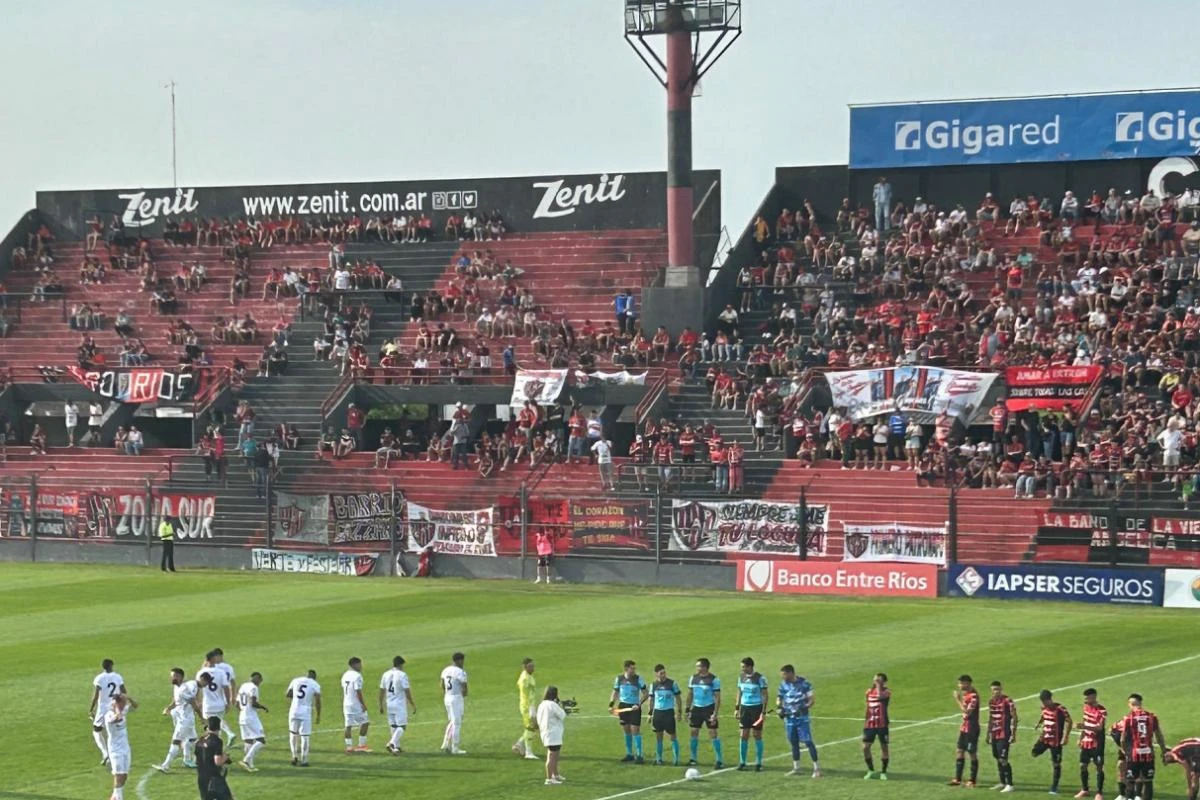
column 345, row 444
column 134, row 442
column 123, row 325
column 164, row 301
column 388, row 447
column 247, row 329
column 37, row 441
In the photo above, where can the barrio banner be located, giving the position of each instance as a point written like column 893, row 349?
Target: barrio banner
column 1008, row 131
column 894, row 542
column 349, row 564
column 1049, row 389
column 302, row 517
column 746, row 526
column 596, row 201
column 866, row 393
column 826, row 578
column 542, row 386
column 464, row 533
column 361, row 516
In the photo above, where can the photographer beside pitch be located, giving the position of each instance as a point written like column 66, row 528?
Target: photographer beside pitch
column 551, row 717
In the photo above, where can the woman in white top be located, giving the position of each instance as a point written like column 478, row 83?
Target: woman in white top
column 880, row 440
column 550, row 719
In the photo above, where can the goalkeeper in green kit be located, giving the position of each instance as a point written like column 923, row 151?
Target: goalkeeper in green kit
column 527, row 702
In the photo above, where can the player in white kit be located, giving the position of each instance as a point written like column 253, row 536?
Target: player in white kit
column 354, row 706
column 185, row 703
column 305, row 694
column 105, row 688
column 218, row 661
column 253, row 738
column 216, row 695
column 454, row 695
column 119, row 754
column 395, row 699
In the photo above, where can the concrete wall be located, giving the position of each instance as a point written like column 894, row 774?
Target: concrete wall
column 573, row 570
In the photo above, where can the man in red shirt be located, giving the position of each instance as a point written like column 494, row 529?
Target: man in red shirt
column 719, row 457
column 1055, row 726
column 1091, row 743
column 737, row 475
column 664, row 457
column 576, row 425
column 354, row 421
column 687, row 445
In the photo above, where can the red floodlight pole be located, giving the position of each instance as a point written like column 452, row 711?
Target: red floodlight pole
column 682, row 22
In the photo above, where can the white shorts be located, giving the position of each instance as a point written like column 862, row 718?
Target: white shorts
column 397, row 717
column 300, row 725
column 354, row 718
column 206, row 713
column 185, row 730
column 454, row 707
column 98, row 722
column 251, row 728
column 119, row 761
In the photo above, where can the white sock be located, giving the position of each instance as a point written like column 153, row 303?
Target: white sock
column 304, row 748
column 293, row 741
column 171, row 754
column 253, row 751
column 118, row 793
column 98, row 736
column 447, row 734
column 795, row 763
column 397, row 732
column 349, row 742
column 189, row 748
column 362, row 740
column 225, row 729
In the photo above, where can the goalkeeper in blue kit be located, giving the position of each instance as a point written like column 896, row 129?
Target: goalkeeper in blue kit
column 793, row 702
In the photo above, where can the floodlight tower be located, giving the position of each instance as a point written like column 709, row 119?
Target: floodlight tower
column 697, row 34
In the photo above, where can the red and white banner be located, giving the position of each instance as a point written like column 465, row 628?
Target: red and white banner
column 868, row 393
column 894, row 542
column 824, row 577
column 120, row 514
column 143, row 384
column 746, row 526
column 1049, row 389
column 542, row 386
column 464, row 533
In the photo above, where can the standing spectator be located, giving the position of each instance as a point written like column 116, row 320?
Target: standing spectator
column 882, row 195
column 95, row 416
column 897, row 426
column 71, row 418
column 460, row 432
column 262, row 465
column 545, row 554
column 576, row 426
column 354, row 421
column 736, row 455
column 602, row 450
column 621, row 307
column 719, row 457
column 550, row 718
column 595, row 429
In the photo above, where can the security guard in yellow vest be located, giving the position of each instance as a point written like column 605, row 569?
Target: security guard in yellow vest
column 166, row 536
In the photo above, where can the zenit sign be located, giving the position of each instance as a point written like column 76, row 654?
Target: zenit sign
column 1068, row 128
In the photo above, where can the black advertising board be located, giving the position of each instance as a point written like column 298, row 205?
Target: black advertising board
column 600, row 201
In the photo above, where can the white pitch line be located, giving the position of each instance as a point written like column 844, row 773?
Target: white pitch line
column 847, row 740
column 141, row 785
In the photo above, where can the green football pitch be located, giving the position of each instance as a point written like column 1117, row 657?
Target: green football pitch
column 60, row 621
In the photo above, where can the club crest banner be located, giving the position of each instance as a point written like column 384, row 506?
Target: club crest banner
column 302, row 517
column 464, row 533
column 542, row 386
column 746, row 526
column 894, row 542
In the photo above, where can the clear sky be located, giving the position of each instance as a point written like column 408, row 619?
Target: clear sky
column 317, row 90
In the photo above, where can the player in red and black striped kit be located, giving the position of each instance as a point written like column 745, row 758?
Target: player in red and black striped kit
column 968, row 732
column 1139, row 732
column 1091, row 743
column 875, row 725
column 1055, row 725
column 1002, row 733
column 1187, row 753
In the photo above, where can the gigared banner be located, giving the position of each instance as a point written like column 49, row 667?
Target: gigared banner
column 746, row 526
column 894, row 542
column 868, row 393
column 463, row 533
column 1049, row 389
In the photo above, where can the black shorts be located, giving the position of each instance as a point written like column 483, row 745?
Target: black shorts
column 663, row 721
column 968, row 742
column 544, row 561
column 1139, row 770
column 214, row 788
column 703, row 717
column 1055, row 752
column 629, row 715
column 751, row 718
column 871, row 734
column 1000, row 749
column 1092, row 755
